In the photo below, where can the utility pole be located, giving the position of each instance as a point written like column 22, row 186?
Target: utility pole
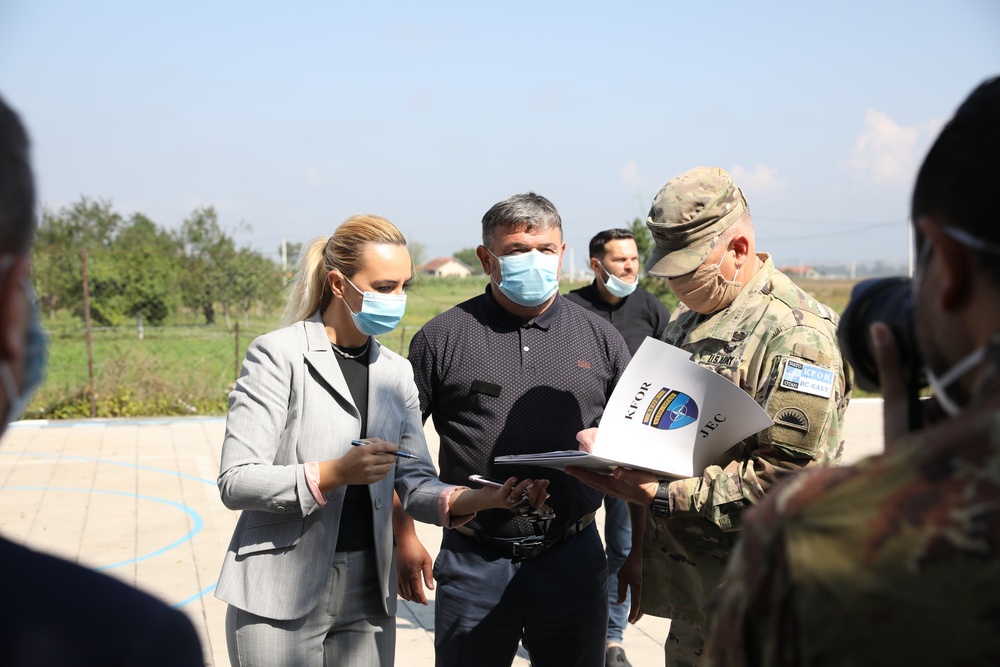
column 86, row 327
column 284, row 255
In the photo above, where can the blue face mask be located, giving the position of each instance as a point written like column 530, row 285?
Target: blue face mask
column 34, row 361
column 380, row 313
column 530, row 278
column 616, row 285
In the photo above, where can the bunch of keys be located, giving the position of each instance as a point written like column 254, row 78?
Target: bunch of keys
column 522, row 507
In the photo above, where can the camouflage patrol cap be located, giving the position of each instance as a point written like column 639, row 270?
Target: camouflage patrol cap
column 687, row 217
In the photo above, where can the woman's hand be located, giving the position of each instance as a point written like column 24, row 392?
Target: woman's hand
column 363, row 464
column 468, row 501
column 509, row 494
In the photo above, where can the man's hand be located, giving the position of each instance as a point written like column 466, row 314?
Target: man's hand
column 635, row 486
column 630, row 577
column 586, row 438
column 413, row 563
column 414, row 568
column 891, row 381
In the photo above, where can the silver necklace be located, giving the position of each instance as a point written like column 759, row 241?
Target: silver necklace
column 345, row 355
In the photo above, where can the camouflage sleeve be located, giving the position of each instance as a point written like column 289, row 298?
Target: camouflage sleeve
column 804, row 387
column 751, row 620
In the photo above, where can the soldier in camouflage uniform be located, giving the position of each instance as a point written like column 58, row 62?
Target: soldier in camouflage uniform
column 896, row 561
column 748, row 322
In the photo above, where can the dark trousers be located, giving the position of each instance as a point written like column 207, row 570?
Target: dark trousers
column 556, row 605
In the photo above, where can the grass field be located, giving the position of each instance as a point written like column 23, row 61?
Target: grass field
column 189, row 370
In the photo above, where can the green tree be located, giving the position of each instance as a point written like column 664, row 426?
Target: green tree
column 468, row 257
column 208, row 253
column 643, row 239
column 658, row 287
column 148, row 260
column 87, row 224
column 256, row 279
column 54, row 260
column 132, row 267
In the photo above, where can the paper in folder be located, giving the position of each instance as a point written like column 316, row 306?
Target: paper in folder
column 667, row 415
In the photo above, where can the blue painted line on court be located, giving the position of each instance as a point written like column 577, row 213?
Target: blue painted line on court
column 199, row 523
column 195, row 529
column 196, row 596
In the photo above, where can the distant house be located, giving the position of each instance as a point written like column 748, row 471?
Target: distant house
column 800, row 271
column 445, row 266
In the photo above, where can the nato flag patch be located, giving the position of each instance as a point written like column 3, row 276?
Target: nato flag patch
column 670, row 410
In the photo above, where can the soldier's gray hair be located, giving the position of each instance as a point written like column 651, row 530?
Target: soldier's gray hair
column 743, row 225
column 527, row 211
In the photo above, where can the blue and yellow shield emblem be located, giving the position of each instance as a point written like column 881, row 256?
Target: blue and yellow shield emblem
column 670, row 410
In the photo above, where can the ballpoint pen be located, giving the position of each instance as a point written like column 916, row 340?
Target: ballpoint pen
column 400, row 454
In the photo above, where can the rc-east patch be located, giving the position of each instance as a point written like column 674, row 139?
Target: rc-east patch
column 799, row 406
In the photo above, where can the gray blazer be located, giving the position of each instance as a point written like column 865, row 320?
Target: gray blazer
column 290, row 406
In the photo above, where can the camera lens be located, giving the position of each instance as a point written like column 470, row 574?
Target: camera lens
column 886, row 300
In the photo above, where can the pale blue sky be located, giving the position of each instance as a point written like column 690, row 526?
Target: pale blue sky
column 291, row 116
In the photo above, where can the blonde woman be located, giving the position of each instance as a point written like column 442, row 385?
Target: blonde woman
column 310, row 572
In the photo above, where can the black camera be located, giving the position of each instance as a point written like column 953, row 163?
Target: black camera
column 888, row 300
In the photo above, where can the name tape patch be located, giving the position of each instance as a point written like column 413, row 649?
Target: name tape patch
column 807, row 378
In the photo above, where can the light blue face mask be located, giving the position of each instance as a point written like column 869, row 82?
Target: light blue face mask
column 34, row 360
column 529, row 278
column 616, row 285
column 380, row 313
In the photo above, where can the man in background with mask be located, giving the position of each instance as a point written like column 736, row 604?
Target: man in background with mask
column 615, row 296
column 745, row 320
column 516, row 370
column 896, row 560
column 54, row 612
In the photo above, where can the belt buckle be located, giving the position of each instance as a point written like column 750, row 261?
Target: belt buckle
column 528, row 548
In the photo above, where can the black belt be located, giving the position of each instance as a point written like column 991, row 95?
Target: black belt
column 526, row 548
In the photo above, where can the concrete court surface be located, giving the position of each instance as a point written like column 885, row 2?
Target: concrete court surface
column 137, row 500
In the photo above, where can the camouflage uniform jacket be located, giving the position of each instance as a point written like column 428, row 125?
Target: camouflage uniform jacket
column 894, row 561
column 771, row 337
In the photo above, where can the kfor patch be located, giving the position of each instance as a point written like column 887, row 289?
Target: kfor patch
column 807, row 378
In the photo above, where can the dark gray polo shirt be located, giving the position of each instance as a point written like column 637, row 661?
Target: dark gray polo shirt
column 497, row 384
column 638, row 315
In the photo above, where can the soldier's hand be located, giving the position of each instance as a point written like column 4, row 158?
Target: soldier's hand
column 630, row 578
column 635, row 486
column 891, row 382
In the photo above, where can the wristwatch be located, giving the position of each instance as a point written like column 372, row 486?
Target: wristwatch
column 661, row 501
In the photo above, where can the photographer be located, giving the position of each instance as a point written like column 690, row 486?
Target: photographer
column 896, row 560
column 54, row 612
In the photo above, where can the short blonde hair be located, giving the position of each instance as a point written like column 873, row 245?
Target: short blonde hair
column 342, row 252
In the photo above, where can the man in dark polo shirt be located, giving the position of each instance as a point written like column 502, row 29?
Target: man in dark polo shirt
column 615, row 295
column 517, row 370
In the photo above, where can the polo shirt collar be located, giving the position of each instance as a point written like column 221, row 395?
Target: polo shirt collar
column 507, row 319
